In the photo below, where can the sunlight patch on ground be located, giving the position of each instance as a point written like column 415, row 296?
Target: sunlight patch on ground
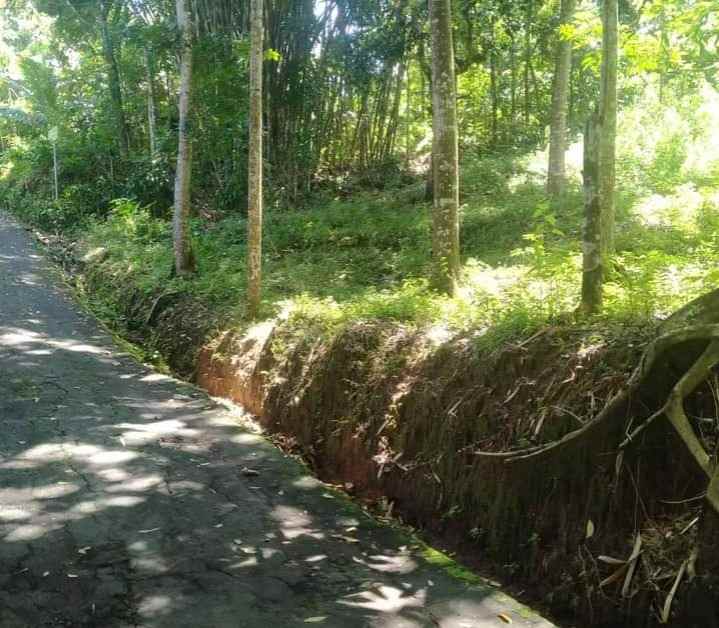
column 295, row 523
column 18, row 513
column 140, row 434
column 136, row 485
column 156, row 377
column 18, row 337
column 97, row 456
column 53, row 491
column 155, row 605
column 400, row 564
column 438, row 334
column 679, row 209
column 28, row 533
column 479, row 278
column 386, row 599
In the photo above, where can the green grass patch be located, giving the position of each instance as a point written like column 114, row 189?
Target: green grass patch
column 440, row 560
column 367, row 259
column 340, row 260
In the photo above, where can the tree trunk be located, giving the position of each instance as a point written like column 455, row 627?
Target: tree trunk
column 445, row 217
column 664, row 46
column 393, row 126
column 151, row 107
column 512, row 83
column 56, row 188
column 184, row 258
column 254, row 184
column 408, row 117
column 494, row 96
column 592, row 275
column 527, row 64
column 113, row 75
column 608, row 124
column 556, row 174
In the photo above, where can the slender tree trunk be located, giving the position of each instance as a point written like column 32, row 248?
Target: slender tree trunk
column 494, row 95
column 184, row 257
column 408, row 116
column 393, row 125
column 592, row 275
column 556, row 174
column 513, row 82
column 113, row 74
column 254, row 205
column 527, row 63
column 663, row 53
column 573, row 74
column 56, row 189
column 608, row 124
column 151, row 107
column 445, row 217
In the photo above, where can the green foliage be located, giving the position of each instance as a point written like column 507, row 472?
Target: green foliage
column 665, row 172
column 346, row 234
column 365, row 258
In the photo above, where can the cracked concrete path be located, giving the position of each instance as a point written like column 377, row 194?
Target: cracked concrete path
column 130, row 499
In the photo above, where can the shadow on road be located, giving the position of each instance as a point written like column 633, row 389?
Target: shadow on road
column 130, row 499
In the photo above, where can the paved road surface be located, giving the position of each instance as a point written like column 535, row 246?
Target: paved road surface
column 123, row 501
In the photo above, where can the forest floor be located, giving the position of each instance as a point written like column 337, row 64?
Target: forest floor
column 132, row 499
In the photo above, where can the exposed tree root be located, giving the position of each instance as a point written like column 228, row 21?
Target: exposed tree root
column 673, row 408
column 671, row 368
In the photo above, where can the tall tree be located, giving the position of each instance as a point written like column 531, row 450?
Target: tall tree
column 599, row 169
column 445, row 150
column 556, row 172
column 184, row 257
column 608, row 126
column 254, row 184
column 151, row 102
column 592, row 266
column 113, row 74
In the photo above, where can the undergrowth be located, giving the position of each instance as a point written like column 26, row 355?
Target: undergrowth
column 366, row 258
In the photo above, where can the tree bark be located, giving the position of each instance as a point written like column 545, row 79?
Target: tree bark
column 254, row 205
column 151, row 106
column 608, row 124
column 556, row 171
column 184, row 258
column 408, row 117
column 445, row 217
column 494, row 96
column 592, row 267
column 113, row 75
column 529, row 20
column 56, row 188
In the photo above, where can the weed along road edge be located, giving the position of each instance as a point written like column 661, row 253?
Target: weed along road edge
column 130, row 499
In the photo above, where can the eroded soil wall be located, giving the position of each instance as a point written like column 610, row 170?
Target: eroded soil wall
column 411, row 417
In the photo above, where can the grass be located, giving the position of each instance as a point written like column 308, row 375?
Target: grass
column 453, row 568
column 367, row 257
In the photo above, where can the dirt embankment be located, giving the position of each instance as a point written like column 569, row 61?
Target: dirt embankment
column 392, row 414
column 397, row 415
